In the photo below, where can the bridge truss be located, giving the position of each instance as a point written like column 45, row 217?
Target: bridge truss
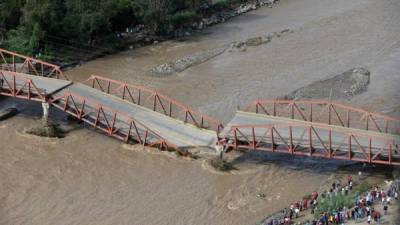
column 327, row 112
column 155, row 101
column 314, row 140
column 309, row 128
column 14, row 62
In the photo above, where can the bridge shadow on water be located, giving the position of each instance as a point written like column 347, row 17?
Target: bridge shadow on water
column 33, row 110
column 311, row 164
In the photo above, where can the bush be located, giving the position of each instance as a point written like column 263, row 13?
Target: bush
column 221, row 4
column 18, row 41
column 179, row 19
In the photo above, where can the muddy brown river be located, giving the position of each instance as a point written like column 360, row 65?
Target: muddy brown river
column 89, row 178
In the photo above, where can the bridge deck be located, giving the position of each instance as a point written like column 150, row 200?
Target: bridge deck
column 48, row 86
column 181, row 134
column 251, row 126
column 248, row 118
column 130, row 121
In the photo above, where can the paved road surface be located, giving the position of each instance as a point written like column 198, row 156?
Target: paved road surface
column 300, row 131
column 48, row 85
column 177, row 132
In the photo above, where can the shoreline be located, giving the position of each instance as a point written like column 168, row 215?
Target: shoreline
column 393, row 179
column 144, row 37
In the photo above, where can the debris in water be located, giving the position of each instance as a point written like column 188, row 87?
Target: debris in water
column 8, row 113
column 51, row 130
column 222, row 165
column 261, row 195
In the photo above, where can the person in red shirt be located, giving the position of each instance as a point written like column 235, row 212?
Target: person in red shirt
column 349, row 179
column 305, row 203
column 314, row 195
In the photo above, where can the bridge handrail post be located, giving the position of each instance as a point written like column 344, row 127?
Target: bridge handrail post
column 370, row 150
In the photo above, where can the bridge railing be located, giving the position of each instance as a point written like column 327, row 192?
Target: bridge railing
column 111, row 121
column 17, row 86
column 14, row 62
column 155, row 101
column 315, row 140
column 327, row 112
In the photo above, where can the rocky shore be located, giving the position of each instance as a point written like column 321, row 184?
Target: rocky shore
column 233, row 11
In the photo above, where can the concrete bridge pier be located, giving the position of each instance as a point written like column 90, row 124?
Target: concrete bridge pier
column 46, row 110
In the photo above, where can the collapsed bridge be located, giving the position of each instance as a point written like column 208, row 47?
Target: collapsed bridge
column 136, row 113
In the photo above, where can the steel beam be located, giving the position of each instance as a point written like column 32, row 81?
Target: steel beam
column 327, row 112
column 153, row 100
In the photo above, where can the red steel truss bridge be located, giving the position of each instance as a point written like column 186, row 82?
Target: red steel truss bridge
column 136, row 113
column 124, row 111
column 315, row 128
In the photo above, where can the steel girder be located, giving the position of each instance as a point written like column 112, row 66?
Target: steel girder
column 155, row 101
column 13, row 85
column 111, row 121
column 14, row 62
column 327, row 112
column 315, row 140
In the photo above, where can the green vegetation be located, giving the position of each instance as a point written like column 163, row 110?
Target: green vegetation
column 220, row 4
column 340, row 201
column 181, row 18
column 41, row 27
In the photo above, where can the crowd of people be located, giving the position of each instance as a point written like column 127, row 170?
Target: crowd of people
column 363, row 206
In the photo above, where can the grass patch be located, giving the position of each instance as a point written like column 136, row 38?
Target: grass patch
column 340, row 201
column 361, row 188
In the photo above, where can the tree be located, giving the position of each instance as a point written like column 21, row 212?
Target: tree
column 34, row 26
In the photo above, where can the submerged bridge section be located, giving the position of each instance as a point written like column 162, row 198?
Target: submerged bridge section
column 315, row 128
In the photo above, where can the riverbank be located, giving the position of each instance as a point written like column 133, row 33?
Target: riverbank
column 140, row 36
column 343, row 200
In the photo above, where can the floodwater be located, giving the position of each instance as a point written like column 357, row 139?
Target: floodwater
column 88, row 178
column 329, row 37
